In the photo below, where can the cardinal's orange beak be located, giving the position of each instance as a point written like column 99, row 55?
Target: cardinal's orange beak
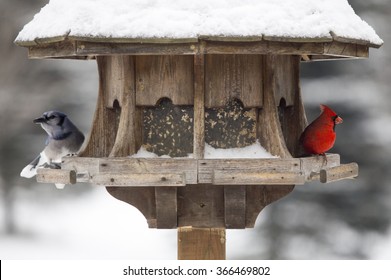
column 338, row 120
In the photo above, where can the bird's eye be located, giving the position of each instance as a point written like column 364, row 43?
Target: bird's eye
column 51, row 117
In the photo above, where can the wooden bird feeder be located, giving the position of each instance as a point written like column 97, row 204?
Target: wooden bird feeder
column 173, row 95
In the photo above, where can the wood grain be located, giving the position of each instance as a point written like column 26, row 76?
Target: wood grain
column 235, row 207
column 199, row 106
column 233, row 77
column 61, row 176
column 238, row 177
column 343, row 171
column 201, row 243
column 139, row 179
column 169, row 76
column 166, row 207
column 82, row 48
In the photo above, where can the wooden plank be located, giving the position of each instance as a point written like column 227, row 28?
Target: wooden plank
column 264, row 47
column 201, row 243
column 121, row 89
column 94, row 166
column 233, row 77
column 140, row 40
column 97, row 48
column 284, row 78
column 139, row 179
column 312, row 165
column 206, row 167
column 82, row 48
column 292, row 118
column 201, row 206
column 235, row 207
column 269, row 128
column 59, row 49
column 166, row 207
column 105, row 123
column 343, row 49
column 169, row 76
column 343, row 171
column 81, row 164
column 199, row 106
column 238, row 177
column 231, row 38
column 151, row 165
column 60, row 176
column 298, row 39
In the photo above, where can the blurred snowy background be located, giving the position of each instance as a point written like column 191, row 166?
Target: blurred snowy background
column 343, row 220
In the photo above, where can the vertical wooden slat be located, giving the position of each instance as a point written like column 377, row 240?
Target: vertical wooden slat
column 293, row 119
column 284, row 76
column 269, row 128
column 230, row 77
column 169, row 76
column 201, row 243
column 235, row 206
column 124, row 87
column 199, row 106
column 105, row 123
column 166, row 207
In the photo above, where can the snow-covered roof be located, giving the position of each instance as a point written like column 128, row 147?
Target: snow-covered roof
column 192, row 19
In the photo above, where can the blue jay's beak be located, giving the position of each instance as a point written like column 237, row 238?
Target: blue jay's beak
column 39, row 120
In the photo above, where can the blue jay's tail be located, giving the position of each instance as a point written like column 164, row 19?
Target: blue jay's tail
column 31, row 169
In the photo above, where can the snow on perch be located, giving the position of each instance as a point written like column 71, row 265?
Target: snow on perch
column 139, row 19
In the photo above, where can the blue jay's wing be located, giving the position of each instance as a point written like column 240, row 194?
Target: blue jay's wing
column 31, row 169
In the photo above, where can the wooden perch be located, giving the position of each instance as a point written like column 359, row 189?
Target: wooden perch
column 139, row 179
column 229, row 177
column 343, row 171
column 136, row 172
column 60, row 176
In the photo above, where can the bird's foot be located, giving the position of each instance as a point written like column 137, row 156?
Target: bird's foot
column 324, row 159
column 51, row 165
column 71, row 155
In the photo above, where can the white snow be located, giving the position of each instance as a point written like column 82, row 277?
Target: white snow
column 93, row 225
column 252, row 151
column 143, row 153
column 194, row 18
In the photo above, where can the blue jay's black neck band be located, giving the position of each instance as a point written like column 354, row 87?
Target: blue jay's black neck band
column 62, row 136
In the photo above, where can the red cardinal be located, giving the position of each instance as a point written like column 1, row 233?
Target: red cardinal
column 319, row 136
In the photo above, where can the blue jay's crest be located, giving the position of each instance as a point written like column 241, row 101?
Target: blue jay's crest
column 50, row 116
column 64, row 138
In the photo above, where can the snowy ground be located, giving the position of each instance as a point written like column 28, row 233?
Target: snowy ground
column 91, row 226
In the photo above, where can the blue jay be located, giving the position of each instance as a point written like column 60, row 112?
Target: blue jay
column 64, row 138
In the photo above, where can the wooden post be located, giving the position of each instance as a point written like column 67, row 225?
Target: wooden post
column 201, row 243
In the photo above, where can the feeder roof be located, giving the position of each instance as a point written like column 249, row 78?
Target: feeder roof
column 174, row 21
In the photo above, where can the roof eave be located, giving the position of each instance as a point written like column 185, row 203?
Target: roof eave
column 87, row 47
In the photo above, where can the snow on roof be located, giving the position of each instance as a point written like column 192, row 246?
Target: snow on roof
column 179, row 19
